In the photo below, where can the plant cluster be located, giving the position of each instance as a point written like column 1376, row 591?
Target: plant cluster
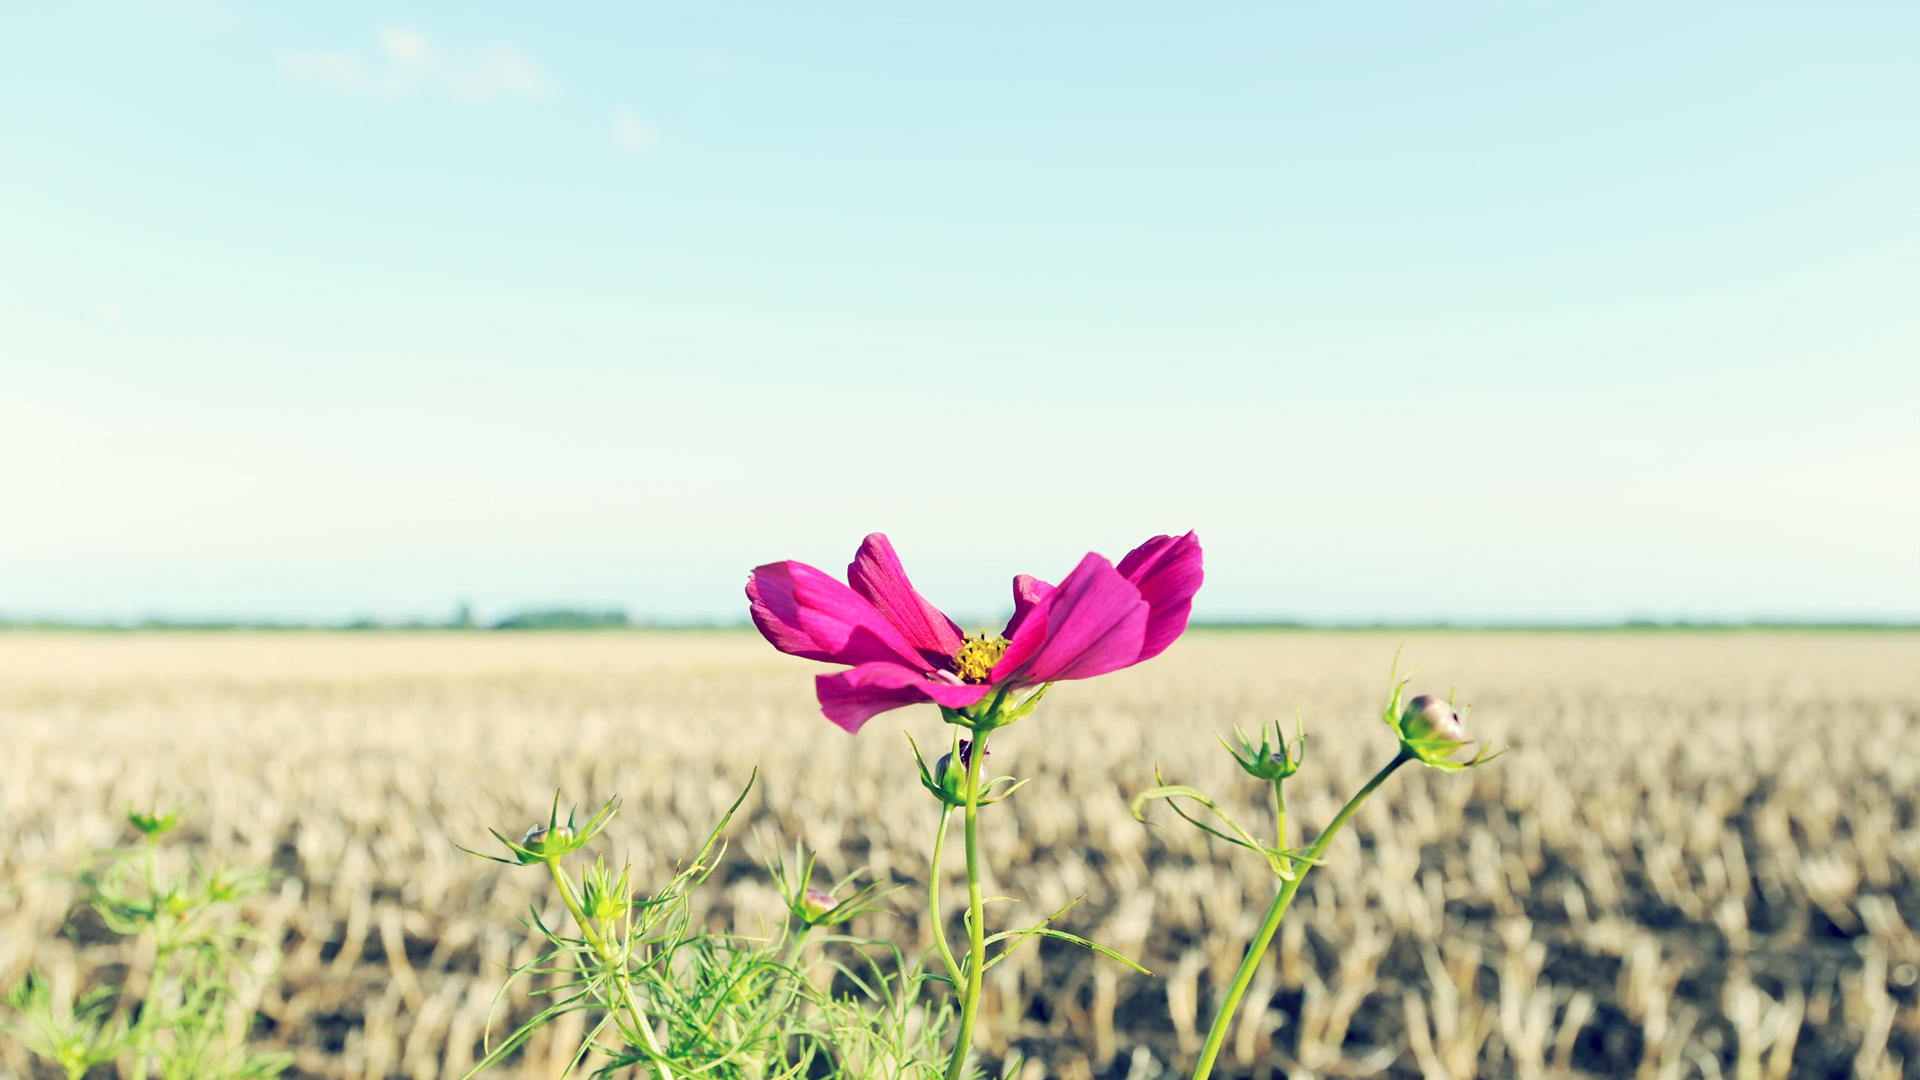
column 682, row 1003
column 662, row 996
column 188, row 1021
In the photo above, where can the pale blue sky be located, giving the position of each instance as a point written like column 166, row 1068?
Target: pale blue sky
column 1476, row 311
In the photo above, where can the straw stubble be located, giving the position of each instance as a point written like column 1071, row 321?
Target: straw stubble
column 1699, row 858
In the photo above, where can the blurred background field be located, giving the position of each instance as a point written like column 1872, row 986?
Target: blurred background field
column 1699, row 858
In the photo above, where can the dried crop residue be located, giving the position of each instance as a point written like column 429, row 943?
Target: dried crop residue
column 1700, row 858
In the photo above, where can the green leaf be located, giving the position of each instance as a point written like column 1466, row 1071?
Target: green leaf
column 1046, row 931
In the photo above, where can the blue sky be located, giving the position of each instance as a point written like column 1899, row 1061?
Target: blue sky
column 1473, row 311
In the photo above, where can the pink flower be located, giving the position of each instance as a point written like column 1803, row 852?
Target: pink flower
column 902, row 651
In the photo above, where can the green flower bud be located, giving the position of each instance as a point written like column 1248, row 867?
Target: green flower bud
column 1431, row 729
column 817, row 904
column 603, row 896
column 1268, row 761
column 547, row 843
column 826, row 907
column 153, row 823
column 1428, row 719
column 947, row 780
column 543, row 840
column 953, row 774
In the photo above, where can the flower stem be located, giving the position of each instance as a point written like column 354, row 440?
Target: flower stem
column 620, row 978
column 795, row 946
column 933, row 897
column 1217, row 1034
column 976, row 928
column 150, row 1005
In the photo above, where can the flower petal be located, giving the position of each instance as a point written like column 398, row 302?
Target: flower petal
column 1167, row 572
column 850, row 698
column 805, row 612
column 1028, row 593
column 1096, row 622
column 876, row 574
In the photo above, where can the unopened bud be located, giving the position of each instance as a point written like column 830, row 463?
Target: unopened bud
column 1431, row 731
column 1268, row 761
column 603, row 896
column 817, row 903
column 951, row 775
column 542, row 840
column 154, row 823
column 1429, row 719
column 947, row 780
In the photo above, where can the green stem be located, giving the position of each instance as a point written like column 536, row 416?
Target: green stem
column 933, row 897
column 620, row 978
column 790, row 962
column 976, row 928
column 793, row 947
column 151, row 1004
column 1217, row 1034
column 1280, row 816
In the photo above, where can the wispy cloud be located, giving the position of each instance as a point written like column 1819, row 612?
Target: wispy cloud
column 405, row 64
column 632, row 135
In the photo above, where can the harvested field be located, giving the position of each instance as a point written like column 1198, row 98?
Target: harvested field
column 1700, row 858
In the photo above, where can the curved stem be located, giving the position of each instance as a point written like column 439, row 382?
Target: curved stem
column 1217, row 1034
column 976, row 929
column 933, row 897
column 619, row 977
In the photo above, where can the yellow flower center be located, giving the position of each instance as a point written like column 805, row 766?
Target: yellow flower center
column 974, row 662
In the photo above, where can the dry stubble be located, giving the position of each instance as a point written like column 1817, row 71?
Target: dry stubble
column 1700, row 858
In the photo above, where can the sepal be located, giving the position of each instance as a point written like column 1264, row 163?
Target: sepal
column 823, row 907
column 1277, row 761
column 549, row 842
column 154, row 822
column 603, row 896
column 994, row 711
column 945, row 781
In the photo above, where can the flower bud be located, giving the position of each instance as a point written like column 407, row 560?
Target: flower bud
column 1428, row 719
column 603, row 896
column 1268, row 761
column 817, row 903
column 951, row 775
column 154, row 823
column 1431, row 730
column 542, row 840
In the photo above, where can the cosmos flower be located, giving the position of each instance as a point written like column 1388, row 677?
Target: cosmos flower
column 901, row 650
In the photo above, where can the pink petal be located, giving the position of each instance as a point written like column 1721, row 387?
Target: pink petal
column 1028, row 592
column 807, row 613
column 876, row 574
column 850, row 698
column 1096, row 622
column 1167, row 571
column 1027, row 630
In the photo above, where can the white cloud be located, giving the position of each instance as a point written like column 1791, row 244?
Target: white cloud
column 406, row 63
column 631, row 134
